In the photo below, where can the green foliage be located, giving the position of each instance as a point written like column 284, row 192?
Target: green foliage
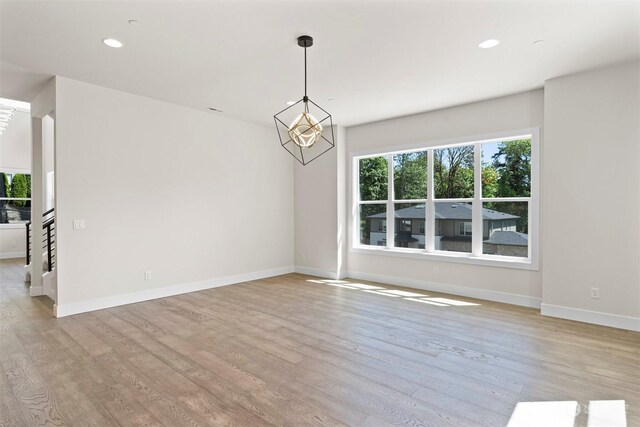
column 4, row 185
column 453, row 172
column 513, row 164
column 410, row 176
column 373, row 186
column 20, row 189
column 489, row 182
column 373, row 178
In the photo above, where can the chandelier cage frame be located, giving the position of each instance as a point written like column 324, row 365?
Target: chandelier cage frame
column 6, row 114
column 324, row 140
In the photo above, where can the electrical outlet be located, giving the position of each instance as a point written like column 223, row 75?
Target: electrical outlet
column 595, row 293
column 79, row 224
column 147, row 275
column 436, row 270
column 13, row 244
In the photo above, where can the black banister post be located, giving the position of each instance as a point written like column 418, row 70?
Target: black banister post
column 49, row 246
column 28, row 249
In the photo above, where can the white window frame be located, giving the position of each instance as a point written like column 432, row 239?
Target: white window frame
column 476, row 256
column 14, row 171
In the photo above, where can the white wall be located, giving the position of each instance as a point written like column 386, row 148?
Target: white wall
column 319, row 219
column 501, row 114
column 15, row 155
column 15, row 142
column 190, row 196
column 592, row 196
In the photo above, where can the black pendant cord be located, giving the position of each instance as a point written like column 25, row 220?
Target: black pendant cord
column 306, row 105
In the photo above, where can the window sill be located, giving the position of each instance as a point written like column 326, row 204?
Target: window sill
column 12, row 226
column 461, row 258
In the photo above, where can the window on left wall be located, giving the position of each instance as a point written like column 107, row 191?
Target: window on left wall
column 15, row 197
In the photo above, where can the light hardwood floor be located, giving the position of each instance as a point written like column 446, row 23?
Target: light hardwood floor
column 290, row 351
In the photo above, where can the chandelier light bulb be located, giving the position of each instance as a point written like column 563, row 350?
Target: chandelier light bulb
column 305, row 130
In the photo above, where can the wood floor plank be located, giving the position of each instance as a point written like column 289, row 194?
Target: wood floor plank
column 91, row 343
column 278, row 373
column 42, row 407
column 10, row 412
column 78, row 401
column 295, row 350
column 121, row 404
column 278, row 401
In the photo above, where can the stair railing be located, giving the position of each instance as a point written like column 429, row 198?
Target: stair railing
column 48, row 238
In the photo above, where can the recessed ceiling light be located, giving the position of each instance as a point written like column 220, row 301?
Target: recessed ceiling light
column 215, row 109
column 488, row 44
column 538, row 42
column 134, row 21
column 331, row 99
column 112, row 42
column 291, row 102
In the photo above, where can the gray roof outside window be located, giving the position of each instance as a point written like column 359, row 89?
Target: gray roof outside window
column 446, row 210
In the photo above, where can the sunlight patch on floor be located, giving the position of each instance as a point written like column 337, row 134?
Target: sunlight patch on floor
column 548, row 414
column 382, row 293
column 339, row 285
column 600, row 413
column 426, row 301
column 449, row 301
column 607, row 413
column 405, row 293
column 363, row 286
column 394, row 293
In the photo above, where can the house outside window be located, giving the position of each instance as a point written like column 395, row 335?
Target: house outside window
column 475, row 201
column 465, row 228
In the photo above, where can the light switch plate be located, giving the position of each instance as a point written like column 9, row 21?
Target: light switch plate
column 79, row 224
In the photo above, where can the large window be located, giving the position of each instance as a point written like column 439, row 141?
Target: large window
column 471, row 202
column 15, row 198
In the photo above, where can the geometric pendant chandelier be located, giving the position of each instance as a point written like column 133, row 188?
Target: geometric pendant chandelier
column 305, row 129
column 6, row 114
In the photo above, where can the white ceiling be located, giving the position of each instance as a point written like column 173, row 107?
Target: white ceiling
column 376, row 59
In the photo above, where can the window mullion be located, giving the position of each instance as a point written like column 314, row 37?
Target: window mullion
column 390, row 208
column 477, row 225
column 430, row 223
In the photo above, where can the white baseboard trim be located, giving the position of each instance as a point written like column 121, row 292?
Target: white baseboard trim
column 595, row 317
column 485, row 294
column 12, row 255
column 151, row 294
column 319, row 273
column 35, row 291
